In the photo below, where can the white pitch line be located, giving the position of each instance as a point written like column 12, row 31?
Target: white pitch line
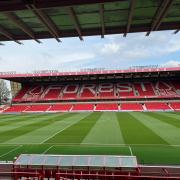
column 95, row 144
column 47, row 149
column 58, row 132
column 130, row 150
column 11, row 150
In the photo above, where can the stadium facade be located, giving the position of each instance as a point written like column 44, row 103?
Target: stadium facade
column 153, row 89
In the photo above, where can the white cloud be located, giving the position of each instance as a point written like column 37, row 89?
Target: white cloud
column 157, row 43
column 111, row 52
column 171, row 63
column 111, row 48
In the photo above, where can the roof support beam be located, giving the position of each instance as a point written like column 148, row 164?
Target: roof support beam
column 46, row 21
column 95, row 31
column 164, row 13
column 15, row 6
column 160, row 14
column 75, row 20
column 19, row 23
column 130, row 16
column 175, row 32
column 101, row 12
column 8, row 35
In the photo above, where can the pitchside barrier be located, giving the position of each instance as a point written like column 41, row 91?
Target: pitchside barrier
column 57, row 167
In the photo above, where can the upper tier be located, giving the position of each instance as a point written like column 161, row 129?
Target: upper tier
column 95, row 91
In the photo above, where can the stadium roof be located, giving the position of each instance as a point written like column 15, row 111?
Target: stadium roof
column 61, row 76
column 39, row 19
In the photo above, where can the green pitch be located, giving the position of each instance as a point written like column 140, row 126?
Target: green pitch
column 153, row 137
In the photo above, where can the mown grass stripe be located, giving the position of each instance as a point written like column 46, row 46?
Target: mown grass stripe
column 134, row 132
column 178, row 113
column 4, row 116
column 165, row 118
column 169, row 133
column 6, row 148
column 105, row 131
column 76, row 132
column 11, row 117
column 46, row 121
column 21, row 123
column 18, row 119
column 42, row 134
column 65, row 125
column 175, row 116
column 9, row 152
column 89, row 150
column 25, row 149
column 157, row 155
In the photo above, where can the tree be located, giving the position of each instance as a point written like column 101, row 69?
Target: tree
column 4, row 92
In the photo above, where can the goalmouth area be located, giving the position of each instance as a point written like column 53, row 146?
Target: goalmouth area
column 153, row 137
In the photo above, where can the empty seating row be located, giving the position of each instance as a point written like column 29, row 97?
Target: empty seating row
column 149, row 106
column 107, row 107
column 157, row 106
column 98, row 91
column 131, row 107
column 175, row 106
column 16, row 108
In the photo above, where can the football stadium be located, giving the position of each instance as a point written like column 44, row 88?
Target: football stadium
column 90, row 124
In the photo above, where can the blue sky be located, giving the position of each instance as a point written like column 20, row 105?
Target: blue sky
column 112, row 52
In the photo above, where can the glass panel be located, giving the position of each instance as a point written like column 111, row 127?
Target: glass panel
column 37, row 160
column 111, row 161
column 93, row 161
column 81, row 160
column 96, row 161
column 23, row 159
column 51, row 160
column 66, row 161
column 128, row 162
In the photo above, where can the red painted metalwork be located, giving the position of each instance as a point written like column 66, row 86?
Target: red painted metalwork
column 17, row 175
column 145, row 70
column 65, row 173
column 110, row 176
column 145, row 172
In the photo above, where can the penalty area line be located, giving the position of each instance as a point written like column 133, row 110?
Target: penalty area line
column 14, row 149
column 43, row 142
column 130, row 150
column 48, row 149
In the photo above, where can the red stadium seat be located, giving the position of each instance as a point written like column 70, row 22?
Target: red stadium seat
column 83, row 107
column 60, row 107
column 158, row 89
column 38, row 108
column 144, row 89
column 157, row 106
column 131, row 107
column 16, row 108
column 175, row 106
column 21, row 93
column 107, row 107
